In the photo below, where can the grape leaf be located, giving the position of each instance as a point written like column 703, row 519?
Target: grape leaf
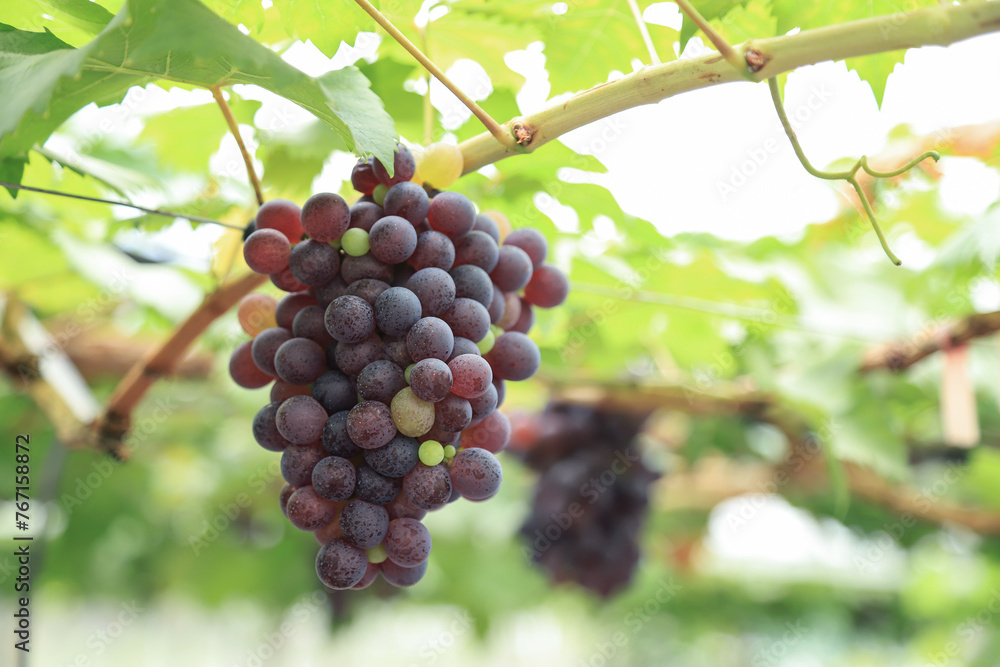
column 177, row 40
column 709, row 10
column 326, row 23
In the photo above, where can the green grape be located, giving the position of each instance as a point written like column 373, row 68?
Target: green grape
column 406, row 373
column 379, row 194
column 431, row 453
column 486, row 344
column 376, row 554
column 336, row 243
column 355, row 241
column 413, row 416
column 497, row 331
column 449, row 452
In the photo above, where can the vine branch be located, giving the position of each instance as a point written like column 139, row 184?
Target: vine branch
column 900, row 355
column 495, row 129
column 654, row 57
column 766, row 58
column 849, row 175
column 234, row 129
column 151, row 211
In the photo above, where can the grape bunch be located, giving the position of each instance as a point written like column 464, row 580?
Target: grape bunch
column 592, row 497
column 406, row 314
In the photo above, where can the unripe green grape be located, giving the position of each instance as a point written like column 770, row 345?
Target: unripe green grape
column 406, row 373
column 376, row 554
column 355, row 242
column 431, row 453
column 379, row 194
column 496, row 331
column 449, row 452
column 486, row 344
column 413, row 417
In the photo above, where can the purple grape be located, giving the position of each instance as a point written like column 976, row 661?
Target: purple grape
column 370, row 425
column 333, row 478
column 368, row 289
column 514, row 357
column 434, row 288
column 476, row 474
column 350, row 319
column 498, row 306
column 452, row 214
column 364, row 214
column 402, row 577
column 364, row 524
column 396, row 352
column 325, row 217
column 265, row 429
column 525, row 318
column 464, row 346
column 310, row 323
column 336, row 441
column 452, row 414
column 244, row 371
column 468, row 319
column 300, row 420
column 298, row 461
column 471, row 282
column 324, row 294
column 334, row 391
column 430, row 380
column 477, row 249
column 285, row 281
column 375, row 488
column 407, row 200
column 404, row 166
column 299, row 361
column 430, row 338
column 289, row 307
column 308, row 511
column 513, row 269
column 428, row 487
column 407, row 542
column 363, row 178
column 487, row 225
column 392, row 239
column 396, row 310
column 266, row 345
column 434, row 249
column 366, row 266
column 484, row 404
column 401, row 507
column 395, row 459
column 380, row 381
column 339, row 565
column 314, row 263
column 351, row 358
column 471, row 375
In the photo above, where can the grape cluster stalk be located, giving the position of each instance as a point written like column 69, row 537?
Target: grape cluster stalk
column 406, row 313
column 592, row 497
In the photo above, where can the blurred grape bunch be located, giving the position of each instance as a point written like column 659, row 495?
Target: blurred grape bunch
column 592, row 497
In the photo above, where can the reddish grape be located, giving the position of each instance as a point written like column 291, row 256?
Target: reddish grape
column 289, row 307
column 244, row 371
column 514, row 357
column 531, row 241
column 547, row 288
column 452, row 414
column 430, row 337
column 339, row 565
column 286, row 282
column 298, row 461
column 282, row 215
column 325, row 217
column 428, row 487
column 472, row 375
column 310, row 322
column 333, row 478
column 476, row 474
column 308, row 511
column 407, row 542
column 370, row 425
column 350, row 319
column 300, row 420
column 299, row 361
column 265, row 346
column 452, row 214
column 281, row 391
column 491, row 434
column 434, row 249
column 267, row 251
column 404, row 166
column 431, row 380
column 525, row 319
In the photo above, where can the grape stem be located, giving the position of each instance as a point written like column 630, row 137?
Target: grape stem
column 109, row 429
column 722, row 46
column 901, row 354
column 495, row 129
column 654, row 57
column 849, row 175
column 765, row 58
column 234, row 128
column 112, row 202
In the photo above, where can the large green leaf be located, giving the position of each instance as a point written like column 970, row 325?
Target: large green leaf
column 325, row 23
column 174, row 40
